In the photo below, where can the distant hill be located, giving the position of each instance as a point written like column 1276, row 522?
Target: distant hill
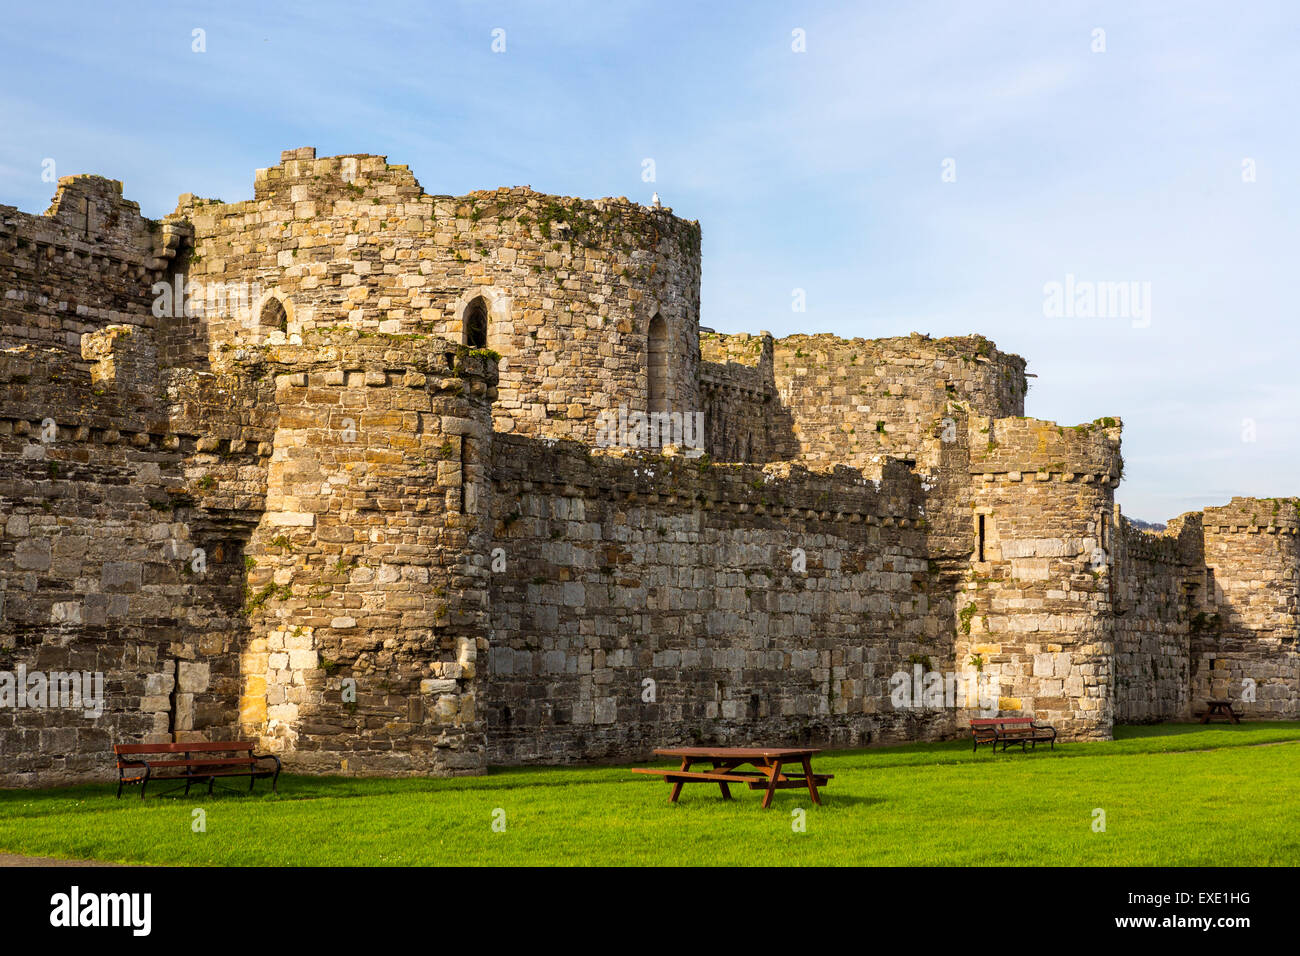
column 1146, row 525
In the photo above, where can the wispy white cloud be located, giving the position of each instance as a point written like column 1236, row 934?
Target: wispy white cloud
column 817, row 170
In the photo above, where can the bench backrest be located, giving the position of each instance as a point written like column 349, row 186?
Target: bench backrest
column 194, row 746
column 1002, row 721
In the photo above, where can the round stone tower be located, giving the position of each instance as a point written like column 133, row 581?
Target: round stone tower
column 593, row 305
column 1033, row 615
column 367, row 573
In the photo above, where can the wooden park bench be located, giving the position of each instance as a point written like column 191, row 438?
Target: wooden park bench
column 194, row 762
column 725, row 762
column 1008, row 731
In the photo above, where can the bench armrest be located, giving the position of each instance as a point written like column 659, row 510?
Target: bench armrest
column 128, row 763
column 266, row 757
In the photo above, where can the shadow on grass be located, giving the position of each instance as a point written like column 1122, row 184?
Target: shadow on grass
column 1139, row 731
column 785, row 800
column 1130, row 740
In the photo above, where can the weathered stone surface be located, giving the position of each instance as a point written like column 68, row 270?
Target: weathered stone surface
column 357, row 505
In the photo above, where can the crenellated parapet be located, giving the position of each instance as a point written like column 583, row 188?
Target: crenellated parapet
column 90, row 261
column 1028, row 449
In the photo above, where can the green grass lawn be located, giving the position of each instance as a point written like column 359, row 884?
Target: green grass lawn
column 1173, row 794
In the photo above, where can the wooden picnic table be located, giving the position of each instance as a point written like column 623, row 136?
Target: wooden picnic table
column 1222, row 708
column 726, row 761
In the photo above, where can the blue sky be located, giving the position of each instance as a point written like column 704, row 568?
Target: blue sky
column 818, row 170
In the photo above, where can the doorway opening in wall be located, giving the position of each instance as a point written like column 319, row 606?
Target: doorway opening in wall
column 475, row 324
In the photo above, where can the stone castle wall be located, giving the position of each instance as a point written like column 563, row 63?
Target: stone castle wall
column 309, row 515
column 106, row 566
column 1247, row 631
column 1155, row 595
column 252, row 472
column 743, row 420
column 855, row 401
column 755, row 603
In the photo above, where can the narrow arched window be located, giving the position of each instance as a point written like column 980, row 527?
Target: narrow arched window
column 476, row 324
column 657, row 393
column 273, row 315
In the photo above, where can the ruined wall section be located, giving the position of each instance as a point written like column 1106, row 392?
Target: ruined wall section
column 366, row 583
column 743, row 420
column 104, row 566
column 1035, row 609
column 108, row 562
column 570, row 285
column 1156, row 592
column 1248, row 630
column 642, row 602
column 854, row 401
column 90, row 261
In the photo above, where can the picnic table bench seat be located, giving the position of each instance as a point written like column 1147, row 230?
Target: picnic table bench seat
column 194, row 762
column 1010, row 730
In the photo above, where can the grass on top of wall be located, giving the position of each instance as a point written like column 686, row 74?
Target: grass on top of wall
column 1172, row 794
